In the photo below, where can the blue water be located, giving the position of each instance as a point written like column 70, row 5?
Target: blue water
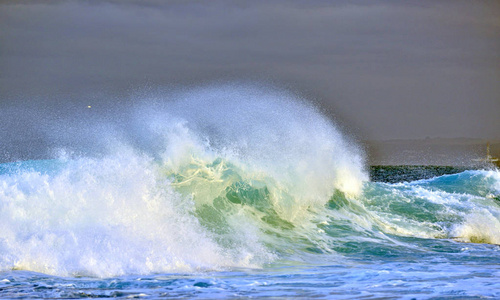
column 260, row 197
column 349, row 280
column 423, row 239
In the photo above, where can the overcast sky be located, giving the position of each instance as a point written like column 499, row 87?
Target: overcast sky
column 383, row 69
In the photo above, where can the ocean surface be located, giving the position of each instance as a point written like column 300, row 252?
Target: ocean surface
column 257, row 198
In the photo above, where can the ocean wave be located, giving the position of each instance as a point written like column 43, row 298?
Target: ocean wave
column 221, row 176
column 226, row 177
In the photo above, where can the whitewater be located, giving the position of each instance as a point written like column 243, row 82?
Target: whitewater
column 232, row 190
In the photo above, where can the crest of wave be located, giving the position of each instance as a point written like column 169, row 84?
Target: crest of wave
column 270, row 134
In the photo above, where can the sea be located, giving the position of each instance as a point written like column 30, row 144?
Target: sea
column 231, row 192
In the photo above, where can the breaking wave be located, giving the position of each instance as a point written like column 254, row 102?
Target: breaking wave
column 222, row 177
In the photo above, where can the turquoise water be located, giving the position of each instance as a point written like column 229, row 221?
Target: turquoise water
column 260, row 197
column 431, row 238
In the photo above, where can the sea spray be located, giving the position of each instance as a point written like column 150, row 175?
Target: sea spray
column 216, row 177
column 269, row 133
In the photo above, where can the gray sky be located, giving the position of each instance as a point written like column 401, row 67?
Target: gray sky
column 382, row 69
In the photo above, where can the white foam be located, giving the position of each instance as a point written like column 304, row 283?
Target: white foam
column 105, row 217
